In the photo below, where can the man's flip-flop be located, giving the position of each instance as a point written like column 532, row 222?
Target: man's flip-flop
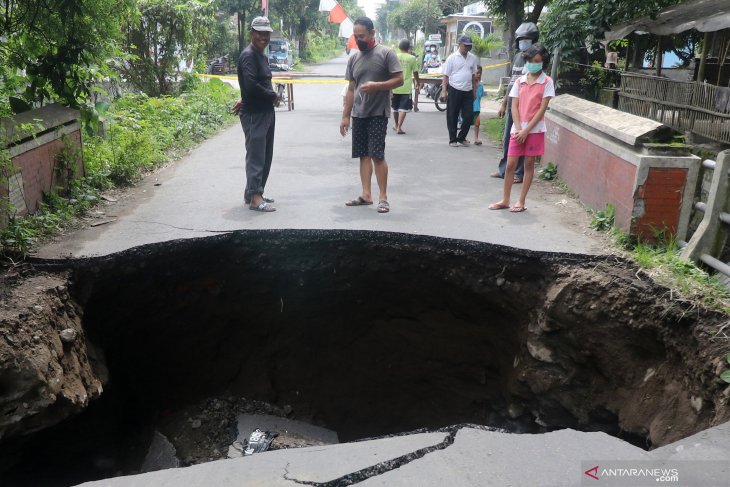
column 498, row 206
column 516, row 180
column 496, row 175
column 400, row 132
column 383, row 206
column 517, row 209
column 263, row 207
column 477, row 142
column 359, row 201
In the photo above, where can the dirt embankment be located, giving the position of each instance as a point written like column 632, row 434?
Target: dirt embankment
column 48, row 370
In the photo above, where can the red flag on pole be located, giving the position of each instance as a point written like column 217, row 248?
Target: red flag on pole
column 265, row 5
column 351, row 42
column 337, row 14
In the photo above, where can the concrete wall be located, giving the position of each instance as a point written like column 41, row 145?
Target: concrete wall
column 34, row 154
column 604, row 156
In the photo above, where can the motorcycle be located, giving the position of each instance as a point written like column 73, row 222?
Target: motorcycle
column 433, row 89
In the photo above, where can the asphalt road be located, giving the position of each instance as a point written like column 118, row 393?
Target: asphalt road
column 433, row 189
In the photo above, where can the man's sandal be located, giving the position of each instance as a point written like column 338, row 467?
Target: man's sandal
column 383, row 206
column 359, row 201
column 263, row 207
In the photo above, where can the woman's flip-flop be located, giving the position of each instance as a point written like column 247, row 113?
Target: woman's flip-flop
column 498, row 206
column 517, row 209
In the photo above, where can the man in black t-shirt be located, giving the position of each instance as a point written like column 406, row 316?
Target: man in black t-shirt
column 256, row 111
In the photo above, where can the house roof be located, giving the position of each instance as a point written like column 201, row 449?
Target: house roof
column 703, row 15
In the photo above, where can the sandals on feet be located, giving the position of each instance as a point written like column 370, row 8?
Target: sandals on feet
column 359, row 201
column 517, row 209
column 477, row 142
column 498, row 206
column 383, row 206
column 264, row 207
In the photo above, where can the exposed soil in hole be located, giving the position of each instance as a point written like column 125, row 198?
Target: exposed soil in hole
column 364, row 333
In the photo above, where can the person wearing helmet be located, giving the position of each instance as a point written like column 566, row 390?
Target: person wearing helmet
column 525, row 36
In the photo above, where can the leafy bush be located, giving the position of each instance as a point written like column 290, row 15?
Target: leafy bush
column 549, row 172
column 322, row 48
column 603, row 220
column 142, row 133
column 594, row 80
column 142, row 130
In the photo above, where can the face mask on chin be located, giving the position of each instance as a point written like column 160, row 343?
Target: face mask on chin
column 365, row 45
column 524, row 44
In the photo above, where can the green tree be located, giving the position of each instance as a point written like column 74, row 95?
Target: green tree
column 163, row 33
column 57, row 49
column 513, row 13
column 414, row 15
column 574, row 25
column 243, row 10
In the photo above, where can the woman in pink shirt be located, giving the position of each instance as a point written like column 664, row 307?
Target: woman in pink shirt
column 530, row 97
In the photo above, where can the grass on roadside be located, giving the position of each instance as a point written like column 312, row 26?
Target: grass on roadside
column 663, row 262
column 494, row 128
column 142, row 134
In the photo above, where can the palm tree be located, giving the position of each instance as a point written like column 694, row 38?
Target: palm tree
column 483, row 46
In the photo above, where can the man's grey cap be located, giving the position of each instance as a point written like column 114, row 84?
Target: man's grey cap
column 465, row 39
column 261, row 24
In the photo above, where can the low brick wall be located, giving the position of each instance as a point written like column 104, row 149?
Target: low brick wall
column 604, row 156
column 35, row 155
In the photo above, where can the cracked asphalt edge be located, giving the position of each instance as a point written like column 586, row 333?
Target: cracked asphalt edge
column 394, row 463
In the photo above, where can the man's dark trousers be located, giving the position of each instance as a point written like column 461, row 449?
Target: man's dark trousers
column 520, row 170
column 459, row 101
column 258, row 129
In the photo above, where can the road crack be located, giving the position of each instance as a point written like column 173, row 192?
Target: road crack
column 392, row 464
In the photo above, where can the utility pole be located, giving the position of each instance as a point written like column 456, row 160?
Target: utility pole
column 425, row 21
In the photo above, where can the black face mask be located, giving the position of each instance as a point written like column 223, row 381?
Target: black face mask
column 362, row 45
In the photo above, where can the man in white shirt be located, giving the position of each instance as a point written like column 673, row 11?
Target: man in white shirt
column 458, row 89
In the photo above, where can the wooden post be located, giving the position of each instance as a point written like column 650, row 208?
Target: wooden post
column 703, row 58
column 658, row 58
column 628, row 49
column 556, row 63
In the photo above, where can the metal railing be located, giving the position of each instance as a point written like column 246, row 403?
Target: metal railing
column 683, row 106
column 712, row 233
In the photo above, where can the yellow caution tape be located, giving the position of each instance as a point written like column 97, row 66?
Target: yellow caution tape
column 284, row 80
column 328, row 81
column 495, row 65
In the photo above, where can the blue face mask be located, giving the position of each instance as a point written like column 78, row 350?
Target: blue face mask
column 523, row 44
column 533, row 67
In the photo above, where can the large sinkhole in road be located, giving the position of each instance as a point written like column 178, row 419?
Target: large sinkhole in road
column 371, row 334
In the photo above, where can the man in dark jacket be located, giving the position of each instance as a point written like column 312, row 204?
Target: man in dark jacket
column 256, row 111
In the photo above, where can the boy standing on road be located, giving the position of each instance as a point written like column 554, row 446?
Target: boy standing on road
column 457, row 87
column 402, row 102
column 372, row 72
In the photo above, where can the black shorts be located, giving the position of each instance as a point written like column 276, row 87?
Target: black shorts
column 368, row 137
column 401, row 102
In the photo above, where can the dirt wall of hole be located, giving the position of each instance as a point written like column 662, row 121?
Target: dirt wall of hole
column 374, row 333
